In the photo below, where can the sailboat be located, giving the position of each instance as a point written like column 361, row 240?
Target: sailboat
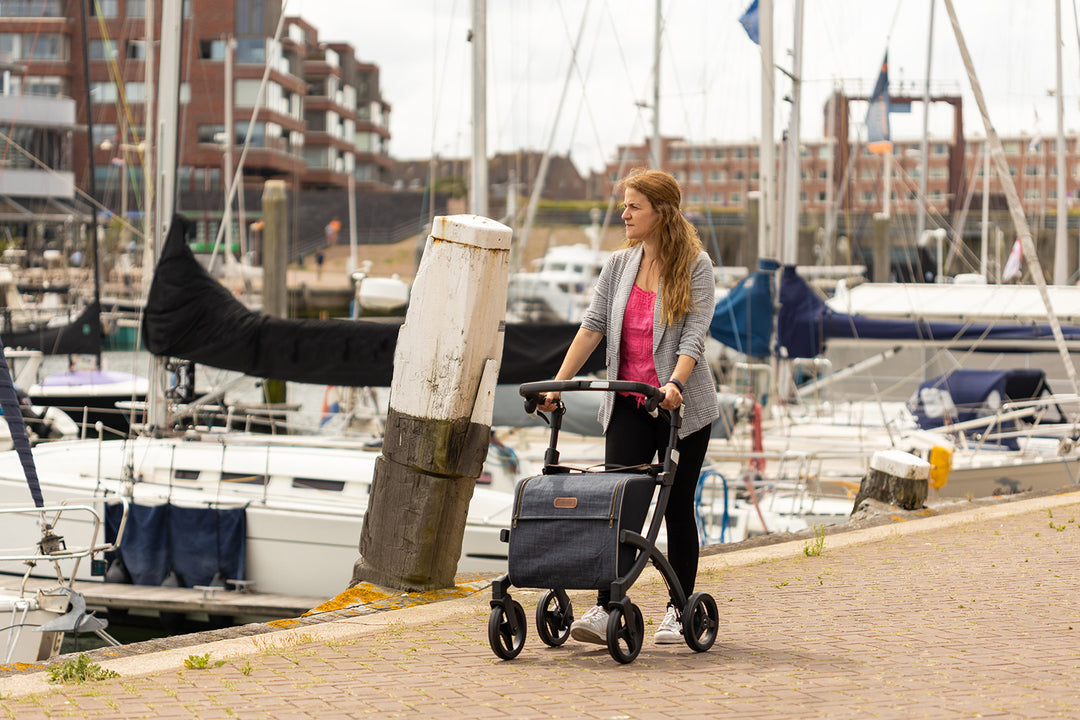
column 1009, row 439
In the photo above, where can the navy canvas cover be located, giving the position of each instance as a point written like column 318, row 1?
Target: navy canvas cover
column 195, row 543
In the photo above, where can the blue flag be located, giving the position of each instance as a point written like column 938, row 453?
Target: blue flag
column 749, row 21
column 877, row 117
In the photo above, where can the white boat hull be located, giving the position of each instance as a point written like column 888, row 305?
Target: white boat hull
column 304, row 504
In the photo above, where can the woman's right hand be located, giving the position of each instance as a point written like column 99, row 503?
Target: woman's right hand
column 548, row 401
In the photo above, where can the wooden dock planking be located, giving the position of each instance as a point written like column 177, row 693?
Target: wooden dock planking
column 119, row 596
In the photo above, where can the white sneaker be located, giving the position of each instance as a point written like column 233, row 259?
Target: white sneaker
column 592, row 627
column 670, row 630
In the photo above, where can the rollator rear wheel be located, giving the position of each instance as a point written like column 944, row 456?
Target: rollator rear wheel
column 506, row 629
column 700, row 622
column 553, row 619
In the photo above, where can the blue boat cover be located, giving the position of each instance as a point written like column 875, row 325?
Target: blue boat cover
column 195, row 543
column 968, row 394
column 743, row 319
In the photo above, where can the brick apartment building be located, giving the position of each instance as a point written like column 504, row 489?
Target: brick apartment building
column 321, row 120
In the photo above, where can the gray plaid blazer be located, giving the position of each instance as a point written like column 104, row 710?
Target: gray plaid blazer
column 685, row 337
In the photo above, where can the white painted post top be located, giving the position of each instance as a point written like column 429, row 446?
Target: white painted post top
column 900, row 464
column 473, row 230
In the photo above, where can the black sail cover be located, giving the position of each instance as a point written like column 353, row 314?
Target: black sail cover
column 192, row 316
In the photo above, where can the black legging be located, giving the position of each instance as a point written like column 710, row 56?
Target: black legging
column 634, row 438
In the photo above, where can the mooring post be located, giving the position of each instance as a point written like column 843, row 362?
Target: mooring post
column 275, row 251
column 446, row 367
column 895, row 478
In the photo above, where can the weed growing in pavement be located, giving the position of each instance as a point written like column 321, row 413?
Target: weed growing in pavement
column 814, row 548
column 201, row 662
column 1059, row 528
column 246, row 669
column 79, row 670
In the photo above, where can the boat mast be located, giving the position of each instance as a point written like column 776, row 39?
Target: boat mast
column 924, row 144
column 790, row 254
column 767, row 165
column 478, row 192
column 1016, row 210
column 1061, row 252
column 656, row 148
column 165, row 178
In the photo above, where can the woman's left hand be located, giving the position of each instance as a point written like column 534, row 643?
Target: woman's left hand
column 672, row 397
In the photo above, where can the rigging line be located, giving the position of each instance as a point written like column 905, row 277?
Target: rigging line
column 123, row 107
column 438, row 87
column 696, row 158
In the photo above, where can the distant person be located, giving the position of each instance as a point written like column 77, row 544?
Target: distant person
column 319, row 258
column 332, row 229
column 653, row 302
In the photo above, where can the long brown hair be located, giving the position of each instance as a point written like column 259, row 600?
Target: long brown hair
column 678, row 242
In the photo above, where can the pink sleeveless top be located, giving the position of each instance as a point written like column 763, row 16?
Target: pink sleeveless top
column 636, row 346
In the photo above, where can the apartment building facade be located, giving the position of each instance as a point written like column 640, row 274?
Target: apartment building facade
column 318, row 122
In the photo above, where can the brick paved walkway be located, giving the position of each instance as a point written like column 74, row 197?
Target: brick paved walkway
column 970, row 615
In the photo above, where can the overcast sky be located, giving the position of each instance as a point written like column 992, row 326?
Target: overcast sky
column 710, row 70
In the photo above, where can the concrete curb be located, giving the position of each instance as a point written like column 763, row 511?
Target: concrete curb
column 348, row 629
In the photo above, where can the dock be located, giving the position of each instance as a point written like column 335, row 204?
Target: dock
column 213, row 601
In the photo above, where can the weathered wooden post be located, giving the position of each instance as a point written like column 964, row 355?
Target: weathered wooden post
column 882, row 252
column 438, row 426
column 275, row 251
column 896, row 478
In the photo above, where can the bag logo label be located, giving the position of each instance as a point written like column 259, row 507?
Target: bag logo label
column 565, row 503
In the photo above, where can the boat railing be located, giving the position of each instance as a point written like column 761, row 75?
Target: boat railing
column 52, row 547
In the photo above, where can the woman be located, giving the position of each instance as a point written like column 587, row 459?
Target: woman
column 653, row 301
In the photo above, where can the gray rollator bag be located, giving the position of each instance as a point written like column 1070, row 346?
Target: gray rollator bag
column 565, row 528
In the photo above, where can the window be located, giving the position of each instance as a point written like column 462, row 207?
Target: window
column 186, row 475
column 738, row 175
column 46, row 46
column 103, row 132
column 1033, row 171
column 250, row 17
column 212, row 49
column 677, row 155
column 136, row 8
column 135, row 92
column 243, row 478
column 136, row 50
column 251, row 50
column 105, row 8
column 868, row 196
column 211, row 134
column 103, row 92
column 102, row 50
column 718, row 154
column 315, row 484
column 736, row 198
column 32, row 8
